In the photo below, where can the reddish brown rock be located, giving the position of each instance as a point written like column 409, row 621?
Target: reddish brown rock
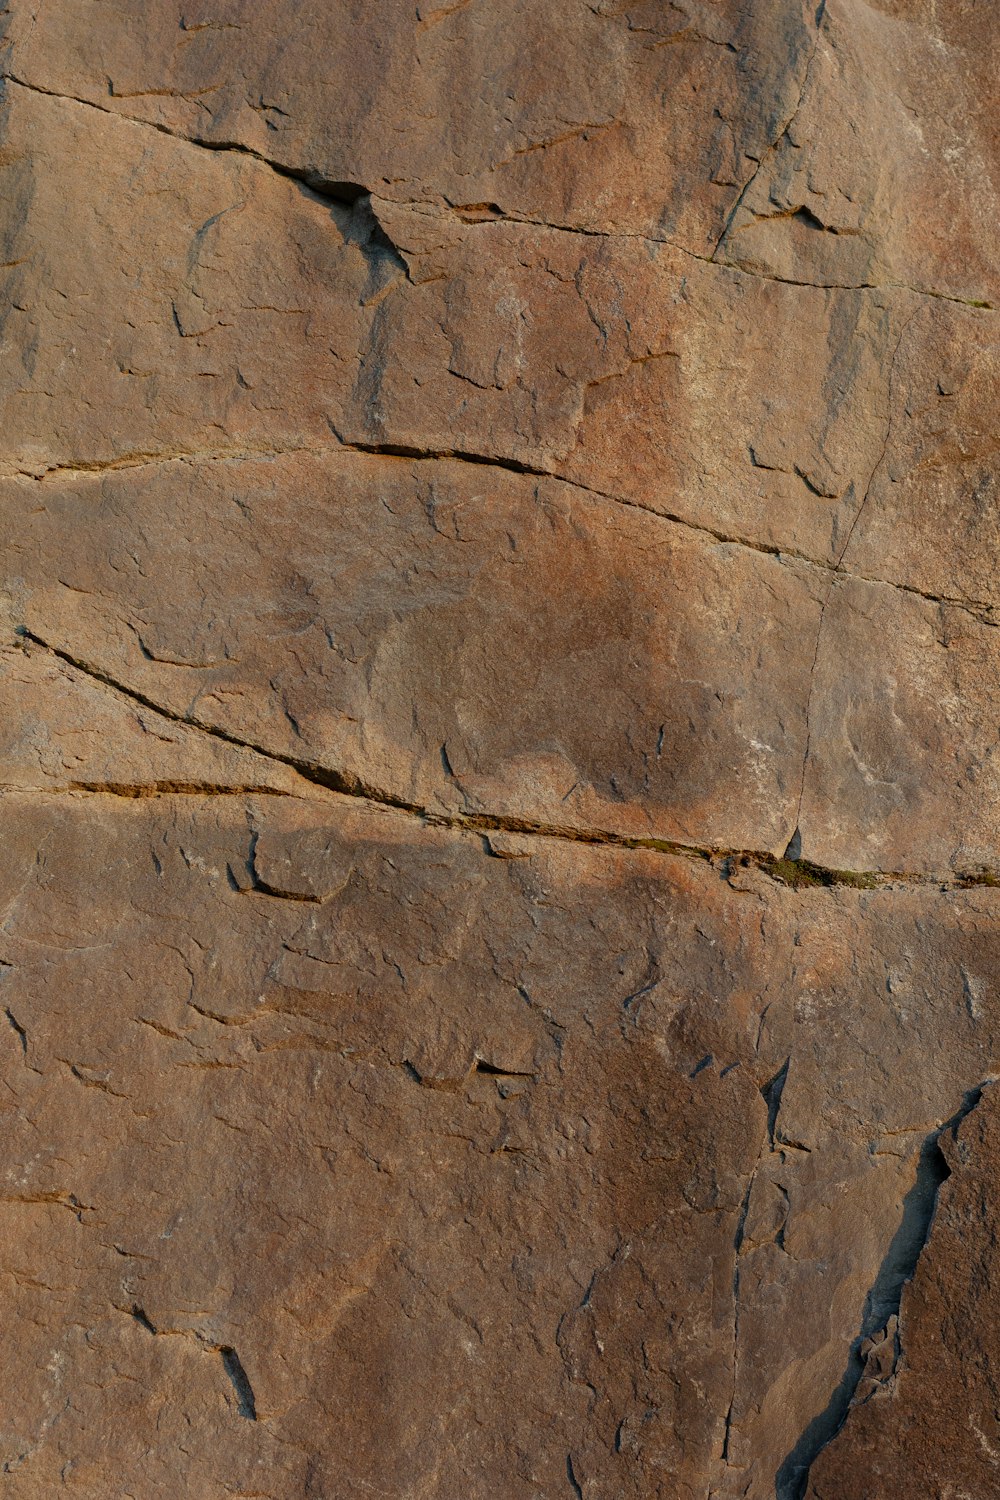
column 884, row 173
column 285, row 1146
column 453, row 635
column 902, row 769
column 499, row 675
column 943, row 1378
column 579, row 114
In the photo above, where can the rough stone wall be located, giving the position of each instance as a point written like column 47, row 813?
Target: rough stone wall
column 500, row 751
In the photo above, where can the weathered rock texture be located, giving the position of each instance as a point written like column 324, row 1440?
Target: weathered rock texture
column 500, row 758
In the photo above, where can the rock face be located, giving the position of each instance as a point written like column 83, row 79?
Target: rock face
column 499, row 751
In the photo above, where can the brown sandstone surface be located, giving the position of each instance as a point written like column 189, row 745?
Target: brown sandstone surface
column 499, row 762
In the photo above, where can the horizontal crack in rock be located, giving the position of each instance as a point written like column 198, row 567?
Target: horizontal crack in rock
column 980, row 609
column 134, row 790
column 793, row 873
column 346, row 194
column 142, row 460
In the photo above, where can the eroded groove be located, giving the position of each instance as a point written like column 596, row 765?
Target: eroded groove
column 882, row 1304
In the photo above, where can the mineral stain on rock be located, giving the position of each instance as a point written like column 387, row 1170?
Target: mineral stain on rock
column 500, row 887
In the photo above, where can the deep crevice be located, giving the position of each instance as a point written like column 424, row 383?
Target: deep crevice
column 462, row 455
column 246, row 1403
column 771, row 1094
column 361, row 226
column 16, row 1026
column 883, row 1301
column 329, row 190
column 139, row 1314
column 492, row 1071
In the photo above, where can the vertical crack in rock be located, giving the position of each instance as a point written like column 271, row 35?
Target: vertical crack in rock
column 246, row 1403
column 772, row 148
column 21, row 1033
column 771, row 1093
column 838, row 569
column 885, row 444
column 882, row 1304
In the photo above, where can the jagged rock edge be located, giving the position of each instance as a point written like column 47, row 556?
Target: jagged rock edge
column 881, row 1303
